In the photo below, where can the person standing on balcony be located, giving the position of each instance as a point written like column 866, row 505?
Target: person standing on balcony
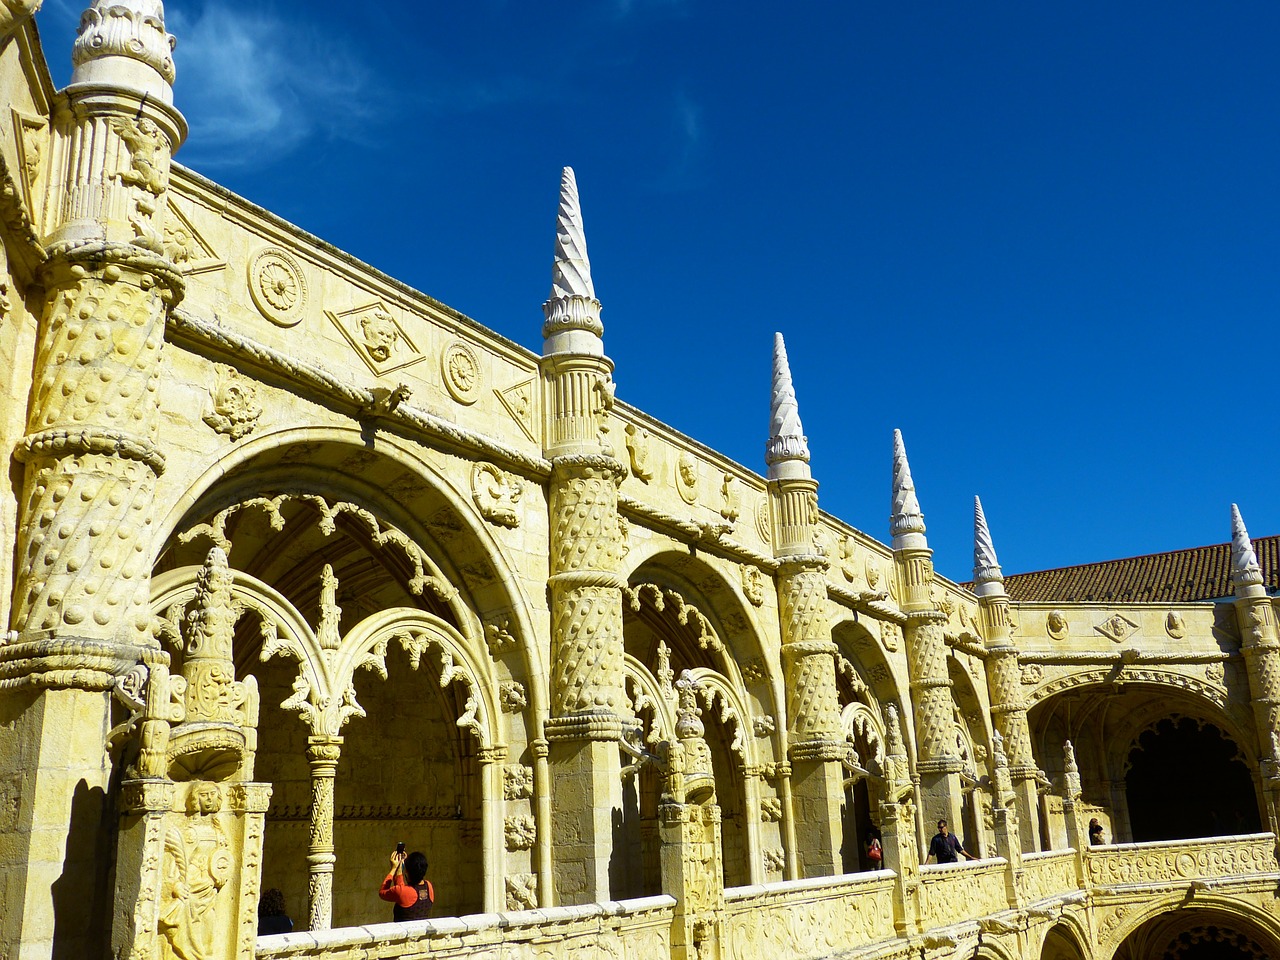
column 1095, row 833
column 945, row 847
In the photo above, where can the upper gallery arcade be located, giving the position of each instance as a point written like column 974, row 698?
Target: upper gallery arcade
column 298, row 562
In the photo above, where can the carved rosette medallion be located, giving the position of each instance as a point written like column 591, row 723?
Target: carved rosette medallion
column 278, row 286
column 460, row 369
column 763, row 524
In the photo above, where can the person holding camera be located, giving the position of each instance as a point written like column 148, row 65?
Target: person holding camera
column 407, row 886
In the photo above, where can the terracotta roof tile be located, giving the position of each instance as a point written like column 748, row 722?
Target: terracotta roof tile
column 1180, row 576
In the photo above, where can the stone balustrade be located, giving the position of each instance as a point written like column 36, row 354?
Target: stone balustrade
column 1181, row 862
column 814, row 918
column 642, row 927
column 952, row 892
column 809, row 918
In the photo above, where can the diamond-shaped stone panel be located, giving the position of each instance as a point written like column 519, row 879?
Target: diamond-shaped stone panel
column 377, row 337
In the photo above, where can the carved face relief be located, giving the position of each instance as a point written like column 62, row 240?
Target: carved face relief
column 235, row 404
column 687, row 478
column 1174, row 625
column 1057, row 625
column 380, row 334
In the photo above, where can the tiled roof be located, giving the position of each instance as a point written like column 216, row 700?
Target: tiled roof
column 1180, row 576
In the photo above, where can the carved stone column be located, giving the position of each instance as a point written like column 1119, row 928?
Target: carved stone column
column 85, row 515
column 938, row 759
column 689, row 825
column 1260, row 645
column 323, row 753
column 586, row 589
column 815, row 744
column 899, row 839
column 1073, row 813
column 1004, row 679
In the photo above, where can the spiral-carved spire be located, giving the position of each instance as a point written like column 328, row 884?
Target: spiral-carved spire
column 987, row 578
column 787, row 441
column 1245, row 569
column 906, row 522
column 572, row 305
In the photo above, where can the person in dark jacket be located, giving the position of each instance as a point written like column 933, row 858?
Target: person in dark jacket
column 272, row 915
column 946, row 847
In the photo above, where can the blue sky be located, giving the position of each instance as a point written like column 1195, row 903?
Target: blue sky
column 1041, row 239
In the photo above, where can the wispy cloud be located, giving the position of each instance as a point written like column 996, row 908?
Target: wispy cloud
column 254, row 87
column 681, row 172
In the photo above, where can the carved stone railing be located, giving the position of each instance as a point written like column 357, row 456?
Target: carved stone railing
column 641, row 927
column 964, row 891
column 1181, row 862
column 1047, row 874
column 808, row 918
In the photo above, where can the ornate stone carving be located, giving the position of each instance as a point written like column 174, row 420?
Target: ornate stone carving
column 518, row 399
column 377, row 337
column 520, row 832
column 872, row 570
column 763, row 725
column 460, row 369
column 728, row 499
column 638, row 452
column 1056, row 625
column 517, row 782
column 890, row 635
column 277, row 286
column 113, row 29
column 1174, row 625
column 686, row 477
column 235, row 403
column 197, row 866
column 1031, row 673
column 764, row 526
column 752, row 584
column 499, row 637
column 775, row 860
column 754, row 671
column 512, row 696
column 1215, row 672
column 497, row 495
column 522, row 891
column 770, row 810
column 1116, row 628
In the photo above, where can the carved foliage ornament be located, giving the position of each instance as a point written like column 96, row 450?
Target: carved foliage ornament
column 497, row 494
column 638, row 452
column 277, row 286
column 235, row 403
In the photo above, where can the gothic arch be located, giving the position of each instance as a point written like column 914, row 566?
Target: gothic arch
column 1163, row 919
column 1104, row 721
column 1068, row 939
column 435, row 512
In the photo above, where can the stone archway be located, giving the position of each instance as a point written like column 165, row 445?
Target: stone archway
column 1199, row 934
column 344, row 555
column 1194, row 761
column 1106, row 722
column 1061, row 943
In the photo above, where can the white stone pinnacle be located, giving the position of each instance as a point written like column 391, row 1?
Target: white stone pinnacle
column 987, row 579
column 1245, row 568
column 906, row 522
column 572, row 309
column 787, row 452
column 114, row 33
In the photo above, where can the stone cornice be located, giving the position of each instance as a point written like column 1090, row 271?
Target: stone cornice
column 211, row 339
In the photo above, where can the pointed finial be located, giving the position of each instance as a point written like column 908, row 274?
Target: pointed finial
column 1245, row 569
column 572, row 311
column 787, row 452
column 114, row 35
column 906, row 523
column 987, row 579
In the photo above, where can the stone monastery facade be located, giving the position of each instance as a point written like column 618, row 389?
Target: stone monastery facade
column 298, row 563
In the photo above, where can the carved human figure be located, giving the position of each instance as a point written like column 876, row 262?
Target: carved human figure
column 148, row 154
column 197, row 865
column 380, row 334
column 687, row 478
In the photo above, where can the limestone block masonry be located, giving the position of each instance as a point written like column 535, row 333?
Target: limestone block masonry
column 297, row 563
